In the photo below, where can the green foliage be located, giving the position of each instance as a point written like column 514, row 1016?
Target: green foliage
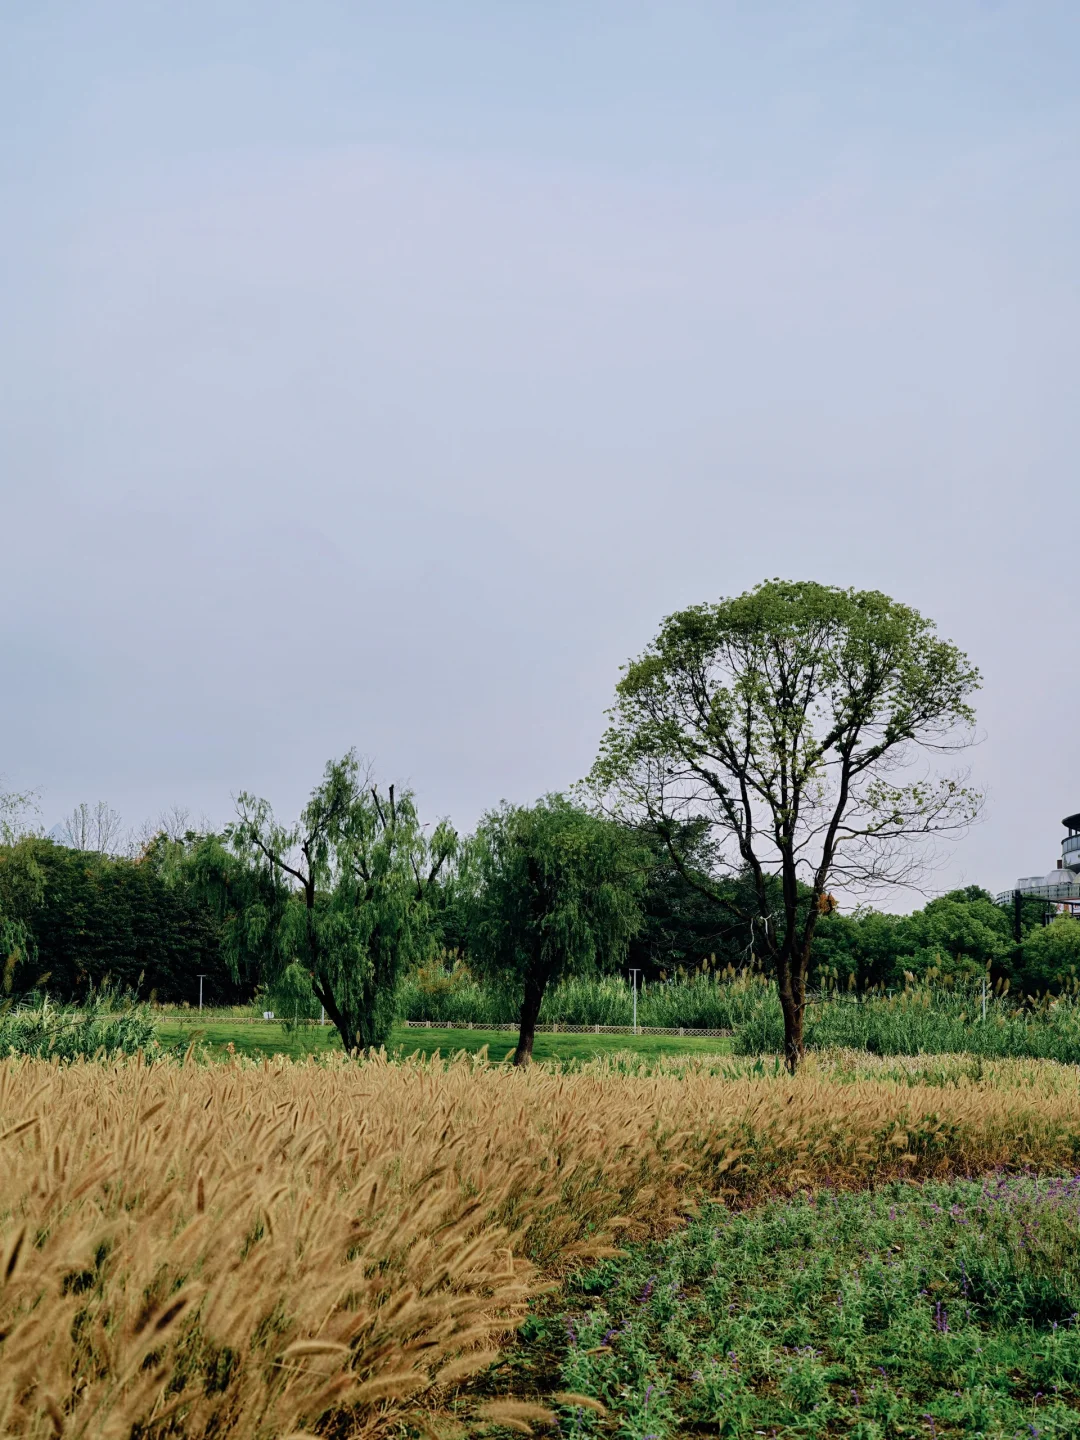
column 689, row 913
column 246, row 900
column 21, row 885
column 88, row 921
column 680, row 924
column 946, row 1309
column 787, row 720
column 452, row 995
column 292, row 999
column 556, row 893
column 1050, row 955
column 960, row 936
column 699, row 1002
column 215, row 1038
column 19, row 816
column 924, row 1021
column 860, row 949
column 22, row 889
column 104, row 1024
column 343, row 893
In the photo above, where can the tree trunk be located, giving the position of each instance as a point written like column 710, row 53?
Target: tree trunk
column 349, row 1039
column 530, row 1013
column 791, row 989
column 793, row 1030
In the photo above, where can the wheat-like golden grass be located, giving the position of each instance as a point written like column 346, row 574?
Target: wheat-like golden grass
column 263, row 1250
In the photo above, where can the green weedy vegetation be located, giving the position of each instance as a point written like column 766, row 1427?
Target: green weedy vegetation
column 213, row 1039
column 940, row 1310
column 104, row 1025
column 926, row 1022
column 929, row 1019
column 697, row 1003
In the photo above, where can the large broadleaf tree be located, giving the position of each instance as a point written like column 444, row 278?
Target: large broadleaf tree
column 803, row 724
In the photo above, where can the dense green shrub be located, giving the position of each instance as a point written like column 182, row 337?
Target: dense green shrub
column 1050, row 954
column 291, row 998
column 699, row 1002
column 452, row 997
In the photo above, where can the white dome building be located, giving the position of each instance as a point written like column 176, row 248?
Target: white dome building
column 1062, row 886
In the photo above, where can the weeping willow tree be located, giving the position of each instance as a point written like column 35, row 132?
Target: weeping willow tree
column 342, row 895
column 555, row 893
column 22, row 885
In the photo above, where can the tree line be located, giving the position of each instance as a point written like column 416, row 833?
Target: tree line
column 761, row 753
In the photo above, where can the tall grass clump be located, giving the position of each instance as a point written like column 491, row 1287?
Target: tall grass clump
column 451, row 997
column 924, row 1021
column 700, row 1002
column 105, row 1024
column 255, row 1251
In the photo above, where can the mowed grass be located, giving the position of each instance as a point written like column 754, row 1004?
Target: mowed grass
column 939, row 1309
column 270, row 1038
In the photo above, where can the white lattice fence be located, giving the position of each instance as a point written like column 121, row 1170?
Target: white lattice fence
column 511, row 1026
column 569, row 1029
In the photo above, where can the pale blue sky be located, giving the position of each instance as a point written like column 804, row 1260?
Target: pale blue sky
column 380, row 375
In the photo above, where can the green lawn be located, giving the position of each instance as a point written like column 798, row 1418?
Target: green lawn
column 269, row 1038
column 936, row 1310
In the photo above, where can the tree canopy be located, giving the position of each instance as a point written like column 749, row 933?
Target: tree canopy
column 1050, row 955
column 793, row 720
column 556, row 892
column 343, row 893
column 86, row 920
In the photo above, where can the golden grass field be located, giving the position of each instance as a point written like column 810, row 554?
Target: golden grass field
column 265, row 1250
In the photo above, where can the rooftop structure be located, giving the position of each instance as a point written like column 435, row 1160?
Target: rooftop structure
column 1062, row 885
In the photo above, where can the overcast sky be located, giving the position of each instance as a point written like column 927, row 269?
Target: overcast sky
column 381, row 374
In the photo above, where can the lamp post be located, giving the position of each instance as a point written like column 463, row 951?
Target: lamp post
column 634, row 974
column 202, row 977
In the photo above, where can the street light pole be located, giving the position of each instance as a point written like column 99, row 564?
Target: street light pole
column 202, row 977
column 634, row 975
